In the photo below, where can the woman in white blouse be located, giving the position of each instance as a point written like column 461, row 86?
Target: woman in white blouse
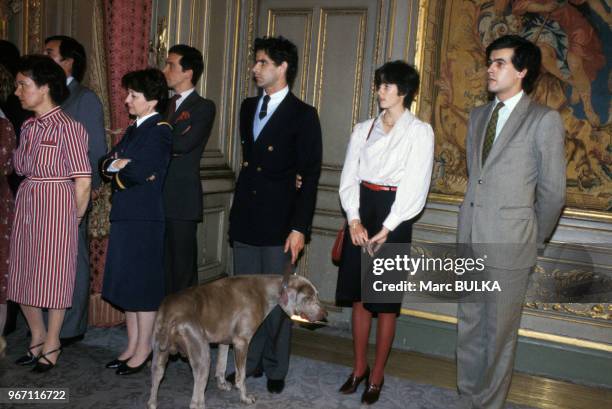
column 384, row 186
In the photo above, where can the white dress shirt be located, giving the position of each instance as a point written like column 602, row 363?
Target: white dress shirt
column 183, row 96
column 273, row 103
column 402, row 158
column 505, row 111
column 69, row 79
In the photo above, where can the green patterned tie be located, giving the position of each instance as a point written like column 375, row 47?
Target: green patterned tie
column 490, row 135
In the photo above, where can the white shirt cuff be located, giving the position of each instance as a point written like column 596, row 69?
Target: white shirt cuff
column 352, row 214
column 391, row 222
column 112, row 168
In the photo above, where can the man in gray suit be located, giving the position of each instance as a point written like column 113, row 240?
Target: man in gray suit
column 85, row 107
column 515, row 194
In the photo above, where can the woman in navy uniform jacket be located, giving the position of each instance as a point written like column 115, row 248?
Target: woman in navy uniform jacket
column 136, row 169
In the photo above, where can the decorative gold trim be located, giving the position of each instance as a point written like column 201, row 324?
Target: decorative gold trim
column 559, row 339
column 419, row 57
column 248, row 52
column 377, row 56
column 234, row 74
column 320, row 62
column 391, row 39
column 32, row 26
column 273, row 14
column 205, row 45
column 179, row 22
column 568, row 212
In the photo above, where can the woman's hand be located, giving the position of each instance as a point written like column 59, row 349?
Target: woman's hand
column 359, row 235
column 121, row 163
column 378, row 240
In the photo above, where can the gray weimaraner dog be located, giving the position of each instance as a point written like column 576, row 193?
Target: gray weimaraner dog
column 226, row 311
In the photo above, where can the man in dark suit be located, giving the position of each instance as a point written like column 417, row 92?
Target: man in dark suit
column 270, row 220
column 515, row 193
column 191, row 117
column 85, row 107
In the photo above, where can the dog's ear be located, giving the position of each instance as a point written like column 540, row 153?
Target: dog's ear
column 288, row 299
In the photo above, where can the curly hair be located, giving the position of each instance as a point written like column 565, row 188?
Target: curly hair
column 7, row 83
column 151, row 82
column 44, row 71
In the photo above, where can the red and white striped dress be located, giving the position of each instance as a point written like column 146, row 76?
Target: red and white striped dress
column 42, row 262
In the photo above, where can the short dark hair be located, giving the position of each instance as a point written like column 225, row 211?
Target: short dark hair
column 280, row 50
column 191, row 59
column 402, row 74
column 9, row 56
column 526, row 55
column 151, row 82
column 71, row 48
column 44, row 71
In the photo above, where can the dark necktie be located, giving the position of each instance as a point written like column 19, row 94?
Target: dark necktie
column 490, row 135
column 264, row 107
column 172, row 106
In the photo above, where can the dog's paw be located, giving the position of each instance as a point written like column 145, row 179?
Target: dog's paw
column 248, row 399
column 223, row 385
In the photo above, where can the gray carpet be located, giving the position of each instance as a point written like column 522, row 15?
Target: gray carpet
column 311, row 384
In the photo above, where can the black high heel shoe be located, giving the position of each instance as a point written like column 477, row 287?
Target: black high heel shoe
column 42, row 367
column 372, row 393
column 125, row 369
column 352, row 383
column 116, row 363
column 29, row 358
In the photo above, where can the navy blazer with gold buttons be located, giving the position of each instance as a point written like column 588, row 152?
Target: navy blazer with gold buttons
column 267, row 206
column 137, row 188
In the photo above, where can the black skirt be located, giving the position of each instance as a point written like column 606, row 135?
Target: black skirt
column 374, row 207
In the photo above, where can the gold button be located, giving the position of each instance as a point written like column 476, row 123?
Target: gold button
column 259, row 168
column 270, row 148
column 245, row 164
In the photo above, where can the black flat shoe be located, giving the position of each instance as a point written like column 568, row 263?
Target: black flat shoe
column 372, row 393
column 42, row 367
column 28, row 358
column 275, row 385
column 116, row 363
column 352, row 383
column 125, row 369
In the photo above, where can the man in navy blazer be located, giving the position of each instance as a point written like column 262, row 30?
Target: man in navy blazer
column 270, row 219
column 84, row 106
column 191, row 117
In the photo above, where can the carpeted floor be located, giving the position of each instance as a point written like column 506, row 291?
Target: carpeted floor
column 311, row 384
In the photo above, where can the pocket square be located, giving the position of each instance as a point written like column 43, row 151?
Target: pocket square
column 183, row 116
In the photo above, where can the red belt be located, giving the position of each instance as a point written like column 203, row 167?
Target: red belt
column 378, row 188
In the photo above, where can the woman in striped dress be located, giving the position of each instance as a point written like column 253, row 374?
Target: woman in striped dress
column 51, row 201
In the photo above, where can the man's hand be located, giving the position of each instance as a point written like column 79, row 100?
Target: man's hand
column 121, row 163
column 298, row 181
column 295, row 243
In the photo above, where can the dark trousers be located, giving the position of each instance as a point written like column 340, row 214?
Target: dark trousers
column 180, row 255
column 270, row 347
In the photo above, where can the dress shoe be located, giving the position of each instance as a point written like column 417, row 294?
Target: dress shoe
column 29, row 358
column 257, row 373
column 125, row 369
column 352, row 383
column 275, row 385
column 44, row 364
column 66, row 342
column 116, row 363
column 372, row 393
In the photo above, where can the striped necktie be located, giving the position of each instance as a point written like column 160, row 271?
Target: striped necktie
column 490, row 135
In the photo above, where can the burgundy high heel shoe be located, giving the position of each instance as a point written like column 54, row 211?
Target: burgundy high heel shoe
column 352, row 383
